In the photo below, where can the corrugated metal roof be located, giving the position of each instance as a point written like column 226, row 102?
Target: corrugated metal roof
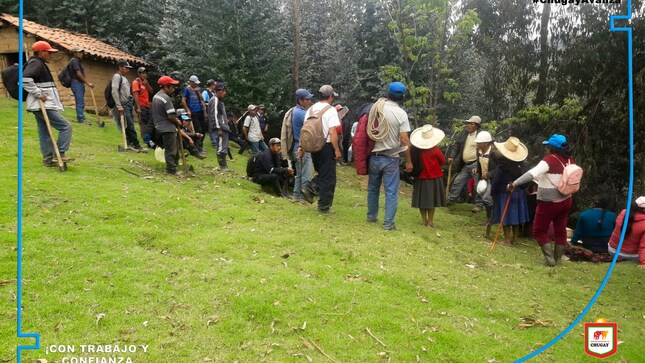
column 60, row 38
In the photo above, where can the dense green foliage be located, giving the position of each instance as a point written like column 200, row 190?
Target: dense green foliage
column 458, row 58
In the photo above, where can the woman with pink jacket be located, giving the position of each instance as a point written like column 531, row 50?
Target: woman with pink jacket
column 633, row 248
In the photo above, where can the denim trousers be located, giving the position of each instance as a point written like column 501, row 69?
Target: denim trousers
column 325, row 165
column 130, row 132
column 78, row 89
column 383, row 170
column 461, row 181
column 58, row 122
column 304, row 170
column 258, row 146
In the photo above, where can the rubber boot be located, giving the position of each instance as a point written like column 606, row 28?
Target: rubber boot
column 547, row 250
column 558, row 252
column 221, row 160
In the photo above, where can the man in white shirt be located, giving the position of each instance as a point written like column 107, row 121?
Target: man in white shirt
column 325, row 159
column 384, row 159
column 252, row 131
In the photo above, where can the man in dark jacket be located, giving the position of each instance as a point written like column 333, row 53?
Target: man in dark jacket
column 269, row 172
column 37, row 80
column 463, row 157
column 78, row 83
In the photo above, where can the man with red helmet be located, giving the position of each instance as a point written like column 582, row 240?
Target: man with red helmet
column 164, row 117
column 37, row 80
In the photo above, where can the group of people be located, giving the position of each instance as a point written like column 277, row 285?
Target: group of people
column 496, row 166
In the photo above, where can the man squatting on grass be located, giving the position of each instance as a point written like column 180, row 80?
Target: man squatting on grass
column 267, row 169
column 38, row 81
column 166, row 122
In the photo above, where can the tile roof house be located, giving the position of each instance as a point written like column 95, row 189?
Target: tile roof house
column 99, row 61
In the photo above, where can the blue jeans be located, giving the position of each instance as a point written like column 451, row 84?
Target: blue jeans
column 58, row 122
column 130, row 132
column 78, row 89
column 383, row 170
column 304, row 170
column 461, row 181
column 258, row 146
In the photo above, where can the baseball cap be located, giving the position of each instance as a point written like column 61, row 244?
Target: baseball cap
column 262, row 106
column 474, row 120
column 165, row 80
column 142, row 70
column 77, row 50
column 43, row 46
column 123, row 63
column 252, row 107
column 327, row 90
column 397, row 88
column 210, row 82
column 219, row 86
column 274, row 141
column 555, row 140
column 303, row 93
column 194, row 79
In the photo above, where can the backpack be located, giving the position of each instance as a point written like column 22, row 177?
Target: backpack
column 362, row 145
column 570, row 180
column 250, row 165
column 312, row 136
column 65, row 76
column 109, row 100
column 10, row 81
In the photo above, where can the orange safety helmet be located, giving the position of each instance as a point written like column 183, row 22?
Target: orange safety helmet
column 43, row 46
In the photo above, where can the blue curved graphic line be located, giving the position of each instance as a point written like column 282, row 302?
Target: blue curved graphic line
column 20, row 348
column 631, row 180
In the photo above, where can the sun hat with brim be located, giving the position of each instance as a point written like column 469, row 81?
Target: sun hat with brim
column 426, row 137
column 512, row 149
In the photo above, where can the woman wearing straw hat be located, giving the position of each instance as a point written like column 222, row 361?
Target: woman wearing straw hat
column 509, row 167
column 427, row 158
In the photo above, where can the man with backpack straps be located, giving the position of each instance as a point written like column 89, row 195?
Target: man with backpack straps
column 207, row 94
column 37, row 80
column 324, row 160
column 124, row 104
column 78, row 83
column 193, row 103
column 252, row 131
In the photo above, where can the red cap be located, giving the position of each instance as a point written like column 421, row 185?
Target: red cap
column 165, row 80
column 42, row 46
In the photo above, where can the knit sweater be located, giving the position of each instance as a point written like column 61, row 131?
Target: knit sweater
column 547, row 173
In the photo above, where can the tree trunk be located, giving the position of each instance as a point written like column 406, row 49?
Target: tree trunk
column 296, row 45
column 540, row 97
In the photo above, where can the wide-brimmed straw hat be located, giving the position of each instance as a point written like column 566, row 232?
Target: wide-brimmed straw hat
column 426, row 137
column 513, row 149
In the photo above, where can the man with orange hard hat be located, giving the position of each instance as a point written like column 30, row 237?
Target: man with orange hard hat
column 37, row 80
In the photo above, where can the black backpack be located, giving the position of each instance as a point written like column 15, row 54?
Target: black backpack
column 250, row 165
column 109, row 100
column 10, row 81
column 65, row 76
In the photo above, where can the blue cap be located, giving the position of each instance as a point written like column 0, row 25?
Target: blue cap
column 303, row 93
column 555, row 140
column 397, row 88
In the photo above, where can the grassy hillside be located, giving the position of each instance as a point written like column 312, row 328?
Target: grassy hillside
column 207, row 268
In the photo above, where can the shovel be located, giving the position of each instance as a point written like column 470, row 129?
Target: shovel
column 62, row 166
column 125, row 140
column 98, row 119
column 181, row 153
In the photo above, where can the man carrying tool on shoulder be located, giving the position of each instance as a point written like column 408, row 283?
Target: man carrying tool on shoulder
column 38, row 81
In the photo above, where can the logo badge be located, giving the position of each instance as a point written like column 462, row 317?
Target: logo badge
column 601, row 339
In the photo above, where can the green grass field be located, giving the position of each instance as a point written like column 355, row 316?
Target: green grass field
column 207, row 268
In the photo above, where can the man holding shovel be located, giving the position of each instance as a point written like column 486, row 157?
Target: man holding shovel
column 124, row 104
column 37, row 80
